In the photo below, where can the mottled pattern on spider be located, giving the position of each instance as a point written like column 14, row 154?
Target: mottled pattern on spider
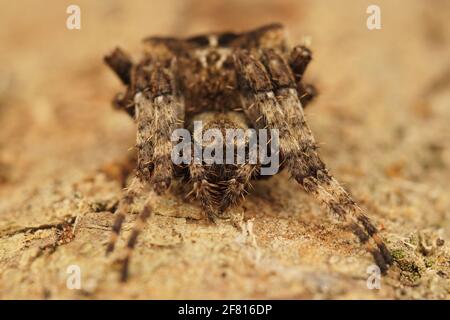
column 238, row 80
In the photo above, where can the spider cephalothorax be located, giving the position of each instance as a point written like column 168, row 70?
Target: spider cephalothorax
column 250, row 80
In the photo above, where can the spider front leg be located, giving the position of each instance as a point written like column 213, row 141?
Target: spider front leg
column 270, row 100
column 123, row 208
column 132, row 240
column 159, row 110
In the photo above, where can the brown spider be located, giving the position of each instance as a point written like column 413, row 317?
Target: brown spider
column 228, row 80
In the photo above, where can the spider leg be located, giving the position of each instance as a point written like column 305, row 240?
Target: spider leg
column 306, row 93
column 237, row 186
column 202, row 189
column 158, row 108
column 121, row 64
column 159, row 111
column 270, row 100
column 132, row 240
column 299, row 60
column 124, row 205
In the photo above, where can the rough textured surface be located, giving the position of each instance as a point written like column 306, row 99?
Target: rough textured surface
column 382, row 115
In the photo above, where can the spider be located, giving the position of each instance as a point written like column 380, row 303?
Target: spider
column 228, row 80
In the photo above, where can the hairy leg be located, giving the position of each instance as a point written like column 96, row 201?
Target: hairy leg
column 306, row 93
column 121, row 63
column 203, row 190
column 132, row 240
column 158, row 110
column 299, row 60
column 270, row 100
column 236, row 187
column 124, row 207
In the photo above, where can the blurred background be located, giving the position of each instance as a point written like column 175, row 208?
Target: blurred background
column 382, row 115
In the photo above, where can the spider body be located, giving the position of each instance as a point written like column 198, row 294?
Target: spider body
column 250, row 80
